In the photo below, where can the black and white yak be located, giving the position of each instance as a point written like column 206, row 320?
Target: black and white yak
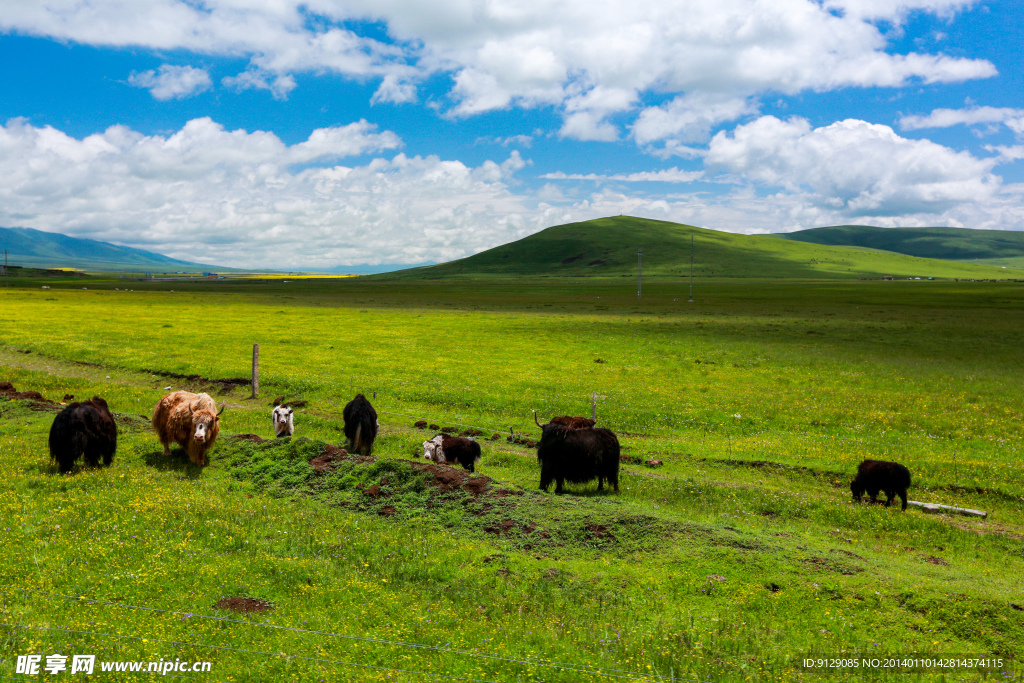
column 83, row 428
column 283, row 421
column 360, row 425
column 445, row 449
column 879, row 475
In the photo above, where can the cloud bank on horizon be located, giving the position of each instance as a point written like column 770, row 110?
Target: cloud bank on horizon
column 310, row 134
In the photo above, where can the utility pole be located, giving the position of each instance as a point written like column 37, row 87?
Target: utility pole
column 691, row 268
column 639, row 270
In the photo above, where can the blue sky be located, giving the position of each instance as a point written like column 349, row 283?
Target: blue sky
column 288, row 135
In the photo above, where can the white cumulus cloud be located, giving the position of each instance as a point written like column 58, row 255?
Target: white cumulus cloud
column 279, row 85
column 237, row 198
column 689, row 118
column 853, row 166
column 946, row 118
column 590, row 61
column 172, row 82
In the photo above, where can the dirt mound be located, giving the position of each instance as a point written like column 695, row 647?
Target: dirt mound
column 244, row 605
column 450, row 478
column 38, row 401
column 332, row 455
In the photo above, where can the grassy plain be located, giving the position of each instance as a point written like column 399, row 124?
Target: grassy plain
column 737, row 557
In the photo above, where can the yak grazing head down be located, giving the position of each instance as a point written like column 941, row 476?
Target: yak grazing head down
column 203, row 421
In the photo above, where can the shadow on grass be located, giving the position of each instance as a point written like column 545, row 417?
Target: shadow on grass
column 582, row 492
column 51, row 468
column 177, row 462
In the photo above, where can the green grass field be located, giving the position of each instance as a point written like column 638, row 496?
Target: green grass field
column 735, row 559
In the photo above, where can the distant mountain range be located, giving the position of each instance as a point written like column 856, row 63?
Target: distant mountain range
column 38, row 249
column 991, row 247
column 607, row 247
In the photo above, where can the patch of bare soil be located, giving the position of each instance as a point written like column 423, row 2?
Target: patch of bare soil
column 333, row 455
column 450, row 478
column 244, row 605
column 931, row 559
column 38, row 401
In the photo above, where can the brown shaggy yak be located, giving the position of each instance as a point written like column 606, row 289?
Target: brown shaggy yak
column 189, row 419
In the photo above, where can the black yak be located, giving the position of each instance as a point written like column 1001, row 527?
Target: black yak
column 878, row 475
column 360, row 425
column 445, row 449
column 577, row 456
column 83, row 428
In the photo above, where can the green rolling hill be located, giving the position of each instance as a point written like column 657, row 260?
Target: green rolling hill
column 35, row 248
column 990, row 247
column 607, row 247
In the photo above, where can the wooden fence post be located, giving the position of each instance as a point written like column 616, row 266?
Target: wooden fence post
column 255, row 370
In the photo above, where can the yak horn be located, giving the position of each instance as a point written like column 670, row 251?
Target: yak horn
column 222, row 409
column 535, row 420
